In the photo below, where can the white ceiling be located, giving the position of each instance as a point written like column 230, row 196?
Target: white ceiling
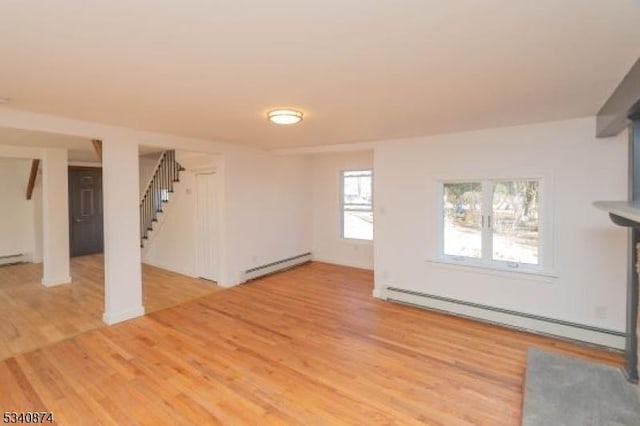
column 360, row 70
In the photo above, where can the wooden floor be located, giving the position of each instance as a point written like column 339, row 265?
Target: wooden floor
column 308, row 346
column 33, row 316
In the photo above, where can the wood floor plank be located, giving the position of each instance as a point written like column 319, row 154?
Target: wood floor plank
column 308, row 346
column 33, row 316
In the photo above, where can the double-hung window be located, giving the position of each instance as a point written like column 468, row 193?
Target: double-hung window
column 357, row 204
column 492, row 222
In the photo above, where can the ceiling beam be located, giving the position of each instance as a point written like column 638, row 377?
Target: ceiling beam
column 613, row 117
column 97, row 146
column 32, row 177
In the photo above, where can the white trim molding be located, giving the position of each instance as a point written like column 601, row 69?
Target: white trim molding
column 111, row 318
column 52, row 282
column 379, row 293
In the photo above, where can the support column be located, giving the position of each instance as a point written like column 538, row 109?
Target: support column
column 55, row 217
column 631, row 350
column 122, row 268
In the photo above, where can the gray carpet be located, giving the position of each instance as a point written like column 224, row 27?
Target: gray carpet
column 564, row 391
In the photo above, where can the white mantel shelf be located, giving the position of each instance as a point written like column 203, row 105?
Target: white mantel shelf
column 626, row 209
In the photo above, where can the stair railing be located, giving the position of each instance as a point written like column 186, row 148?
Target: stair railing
column 157, row 194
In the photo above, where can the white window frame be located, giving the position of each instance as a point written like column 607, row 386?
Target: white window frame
column 342, row 205
column 544, row 265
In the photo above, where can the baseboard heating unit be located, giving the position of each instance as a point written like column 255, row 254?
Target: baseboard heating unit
column 277, row 266
column 519, row 320
column 14, row 259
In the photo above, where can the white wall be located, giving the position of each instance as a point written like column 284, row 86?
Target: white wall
column 172, row 243
column 17, row 230
column 267, row 215
column 588, row 251
column 327, row 243
column 39, row 197
column 263, row 217
column 148, row 164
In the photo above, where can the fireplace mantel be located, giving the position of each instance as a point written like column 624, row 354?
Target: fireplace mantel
column 629, row 210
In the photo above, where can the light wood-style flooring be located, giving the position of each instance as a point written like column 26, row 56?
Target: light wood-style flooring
column 309, row 346
column 33, row 316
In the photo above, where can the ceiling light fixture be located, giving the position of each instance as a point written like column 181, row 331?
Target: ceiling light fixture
column 285, row 116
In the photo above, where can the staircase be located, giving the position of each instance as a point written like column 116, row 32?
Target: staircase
column 157, row 193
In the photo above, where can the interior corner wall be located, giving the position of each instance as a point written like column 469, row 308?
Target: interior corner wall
column 327, row 242
column 589, row 253
column 267, row 210
column 17, row 221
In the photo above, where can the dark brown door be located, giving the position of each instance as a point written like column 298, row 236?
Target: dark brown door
column 85, row 211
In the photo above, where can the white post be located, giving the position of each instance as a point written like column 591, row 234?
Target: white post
column 55, row 217
column 122, row 269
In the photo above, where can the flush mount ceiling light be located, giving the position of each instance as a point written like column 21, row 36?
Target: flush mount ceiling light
column 285, row 116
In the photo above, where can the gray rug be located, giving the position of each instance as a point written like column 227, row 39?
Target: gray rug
column 564, row 391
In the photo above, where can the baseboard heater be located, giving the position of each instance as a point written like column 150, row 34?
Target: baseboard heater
column 277, row 266
column 519, row 320
column 14, row 259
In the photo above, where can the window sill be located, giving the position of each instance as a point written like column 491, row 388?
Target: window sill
column 495, row 270
column 357, row 241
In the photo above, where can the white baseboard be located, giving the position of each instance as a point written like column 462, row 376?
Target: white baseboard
column 378, row 293
column 15, row 258
column 52, row 282
column 111, row 318
column 574, row 331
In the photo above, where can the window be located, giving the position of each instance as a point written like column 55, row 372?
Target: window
column 492, row 222
column 357, row 204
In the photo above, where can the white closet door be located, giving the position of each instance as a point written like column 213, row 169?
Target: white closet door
column 206, row 216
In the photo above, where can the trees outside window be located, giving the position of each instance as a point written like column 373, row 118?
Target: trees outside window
column 357, row 204
column 492, row 222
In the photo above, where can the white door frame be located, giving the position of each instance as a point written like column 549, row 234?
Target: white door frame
column 213, row 268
